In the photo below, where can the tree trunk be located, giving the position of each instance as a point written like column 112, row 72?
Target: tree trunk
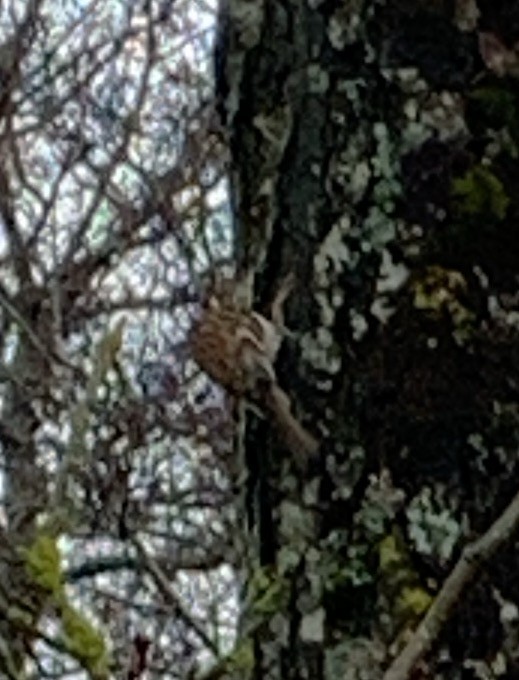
column 373, row 154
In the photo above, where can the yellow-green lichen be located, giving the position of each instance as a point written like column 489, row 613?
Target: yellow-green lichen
column 242, row 658
column 399, row 584
column 438, row 292
column 268, row 592
column 479, row 192
column 413, row 601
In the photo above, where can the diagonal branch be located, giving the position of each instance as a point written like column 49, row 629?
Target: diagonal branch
column 472, row 559
column 49, row 355
column 163, row 586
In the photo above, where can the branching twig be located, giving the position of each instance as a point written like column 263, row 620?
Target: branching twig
column 47, row 354
column 473, row 557
column 164, row 587
column 24, row 325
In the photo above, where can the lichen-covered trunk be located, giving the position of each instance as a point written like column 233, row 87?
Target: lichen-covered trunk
column 374, row 154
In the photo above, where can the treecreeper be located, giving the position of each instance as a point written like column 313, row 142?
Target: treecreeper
column 238, row 349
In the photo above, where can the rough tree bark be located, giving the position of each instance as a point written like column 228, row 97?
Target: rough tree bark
column 374, row 153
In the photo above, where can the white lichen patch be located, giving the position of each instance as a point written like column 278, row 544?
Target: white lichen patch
column 352, row 88
column 359, row 325
column 343, row 28
column 333, row 252
column 296, row 524
column 444, row 114
column 322, row 358
column 411, row 109
column 311, row 492
column 414, row 134
column 438, row 114
column 312, row 626
column 408, row 78
column 392, row 276
column 326, row 308
column 247, row 16
column 324, row 385
column 379, row 228
column 318, row 79
column 433, row 531
column 359, row 180
column 275, row 126
column 280, row 627
column 382, row 309
column 382, row 162
column 314, row 4
column 466, row 15
column 324, row 338
column 337, row 297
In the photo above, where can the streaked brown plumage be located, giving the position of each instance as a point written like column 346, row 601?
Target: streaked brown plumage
column 237, row 349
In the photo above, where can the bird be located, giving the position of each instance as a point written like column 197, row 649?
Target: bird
column 238, row 348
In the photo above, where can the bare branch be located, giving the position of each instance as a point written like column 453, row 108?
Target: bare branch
column 163, row 586
column 473, row 557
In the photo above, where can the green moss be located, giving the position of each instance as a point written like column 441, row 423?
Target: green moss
column 80, row 638
column 242, row 658
column 85, row 643
column 43, row 562
column 479, row 192
column 268, row 592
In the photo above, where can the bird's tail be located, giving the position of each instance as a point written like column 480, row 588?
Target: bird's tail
column 297, row 438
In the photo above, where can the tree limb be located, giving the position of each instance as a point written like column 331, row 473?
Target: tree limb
column 473, row 557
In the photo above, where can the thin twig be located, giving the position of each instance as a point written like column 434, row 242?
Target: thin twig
column 163, row 586
column 50, row 356
column 17, row 317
